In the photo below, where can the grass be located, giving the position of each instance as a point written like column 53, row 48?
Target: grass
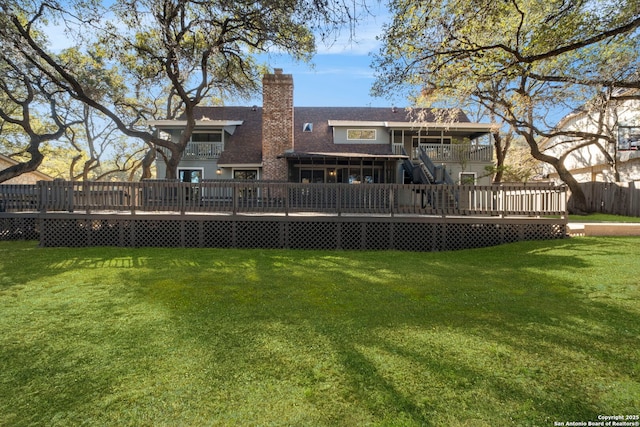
column 522, row 334
column 602, row 217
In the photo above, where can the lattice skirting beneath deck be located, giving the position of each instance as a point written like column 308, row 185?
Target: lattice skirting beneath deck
column 19, row 227
column 359, row 233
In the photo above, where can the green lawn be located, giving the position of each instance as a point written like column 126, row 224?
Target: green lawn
column 602, row 217
column 524, row 334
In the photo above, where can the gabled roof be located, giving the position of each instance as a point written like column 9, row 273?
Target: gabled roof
column 245, row 145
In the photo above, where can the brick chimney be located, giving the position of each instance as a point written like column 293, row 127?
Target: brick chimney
column 277, row 124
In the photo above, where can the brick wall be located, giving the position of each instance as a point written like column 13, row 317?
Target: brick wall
column 277, row 124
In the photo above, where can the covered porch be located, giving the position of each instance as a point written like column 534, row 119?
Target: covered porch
column 343, row 168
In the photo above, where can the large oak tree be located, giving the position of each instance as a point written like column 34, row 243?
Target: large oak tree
column 526, row 61
column 32, row 112
column 137, row 60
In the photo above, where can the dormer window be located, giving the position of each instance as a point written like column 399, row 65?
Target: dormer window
column 361, row 134
column 307, row 127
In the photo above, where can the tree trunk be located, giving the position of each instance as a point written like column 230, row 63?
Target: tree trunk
column 146, row 163
column 500, row 155
column 20, row 168
column 172, row 167
column 497, row 178
column 577, row 195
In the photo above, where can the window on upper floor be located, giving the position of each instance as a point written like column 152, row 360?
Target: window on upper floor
column 430, row 139
column 628, row 137
column 429, row 143
column 210, row 136
column 361, row 134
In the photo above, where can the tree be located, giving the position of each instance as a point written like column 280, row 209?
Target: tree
column 525, row 61
column 25, row 99
column 159, row 59
column 99, row 149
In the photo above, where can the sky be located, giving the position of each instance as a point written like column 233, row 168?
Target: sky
column 336, row 80
column 341, row 74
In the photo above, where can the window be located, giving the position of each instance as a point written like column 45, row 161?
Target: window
column 190, row 175
column 312, row 175
column 307, row 127
column 360, row 134
column 193, row 176
column 213, row 136
column 467, row 178
column 628, row 137
column 248, row 175
column 360, row 175
column 434, row 146
column 204, row 145
column 245, row 174
column 420, row 139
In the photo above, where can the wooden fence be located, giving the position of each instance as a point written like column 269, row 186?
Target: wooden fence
column 248, row 197
column 622, row 198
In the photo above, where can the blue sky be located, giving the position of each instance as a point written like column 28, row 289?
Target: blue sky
column 341, row 75
column 335, row 80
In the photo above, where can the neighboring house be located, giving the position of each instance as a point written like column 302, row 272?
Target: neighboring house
column 281, row 142
column 621, row 124
column 25, row 178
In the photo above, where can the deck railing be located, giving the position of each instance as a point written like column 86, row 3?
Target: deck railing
column 459, row 152
column 263, row 197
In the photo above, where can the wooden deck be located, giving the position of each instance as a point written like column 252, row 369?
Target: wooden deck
column 284, row 215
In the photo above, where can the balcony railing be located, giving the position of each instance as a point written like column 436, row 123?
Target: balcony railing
column 457, row 152
column 247, row 197
column 203, row 150
column 450, row 152
column 200, row 150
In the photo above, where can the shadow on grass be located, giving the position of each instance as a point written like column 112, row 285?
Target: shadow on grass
column 513, row 334
column 543, row 350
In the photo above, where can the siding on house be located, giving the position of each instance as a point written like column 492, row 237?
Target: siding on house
column 285, row 143
column 589, row 163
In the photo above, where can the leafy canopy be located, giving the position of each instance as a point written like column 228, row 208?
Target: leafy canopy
column 548, row 50
column 526, row 62
column 136, row 60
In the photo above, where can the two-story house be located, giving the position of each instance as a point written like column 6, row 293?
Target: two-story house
column 612, row 157
column 281, row 142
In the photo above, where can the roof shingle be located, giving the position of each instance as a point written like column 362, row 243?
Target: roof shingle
column 245, row 145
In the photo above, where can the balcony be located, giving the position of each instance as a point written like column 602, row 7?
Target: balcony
column 203, row 150
column 455, row 153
